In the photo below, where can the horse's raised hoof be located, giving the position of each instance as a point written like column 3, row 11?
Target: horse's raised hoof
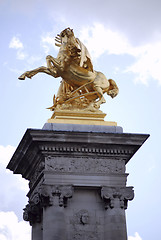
column 22, row 77
column 26, row 74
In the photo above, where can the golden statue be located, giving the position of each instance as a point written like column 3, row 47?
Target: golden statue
column 82, row 87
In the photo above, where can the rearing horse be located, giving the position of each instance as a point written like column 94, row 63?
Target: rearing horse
column 74, row 65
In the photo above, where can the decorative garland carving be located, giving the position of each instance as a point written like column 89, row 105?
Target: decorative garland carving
column 109, row 194
column 84, row 165
column 111, row 161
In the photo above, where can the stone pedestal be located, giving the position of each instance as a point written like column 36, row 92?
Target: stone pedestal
column 77, row 180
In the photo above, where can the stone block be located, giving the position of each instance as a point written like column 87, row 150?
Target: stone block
column 82, row 128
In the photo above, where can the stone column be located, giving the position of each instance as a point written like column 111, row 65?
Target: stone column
column 33, row 214
column 77, row 180
column 54, row 219
column 115, row 199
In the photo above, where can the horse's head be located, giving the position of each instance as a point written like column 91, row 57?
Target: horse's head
column 66, row 35
column 68, row 32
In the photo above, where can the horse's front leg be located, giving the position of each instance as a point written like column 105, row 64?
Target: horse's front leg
column 33, row 72
column 99, row 102
column 99, row 91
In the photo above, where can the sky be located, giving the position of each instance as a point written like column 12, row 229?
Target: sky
column 124, row 41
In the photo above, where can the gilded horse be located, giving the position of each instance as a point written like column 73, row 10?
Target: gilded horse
column 73, row 64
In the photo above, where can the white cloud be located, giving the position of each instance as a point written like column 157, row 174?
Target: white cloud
column 136, row 237
column 32, row 59
column 147, row 58
column 6, row 154
column 148, row 62
column 15, row 43
column 21, row 55
column 48, row 42
column 17, row 71
column 99, row 40
column 12, row 229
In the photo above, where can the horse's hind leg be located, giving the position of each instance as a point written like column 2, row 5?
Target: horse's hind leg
column 33, row 72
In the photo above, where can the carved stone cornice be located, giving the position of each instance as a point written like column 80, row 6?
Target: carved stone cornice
column 123, row 194
column 38, row 144
column 103, row 151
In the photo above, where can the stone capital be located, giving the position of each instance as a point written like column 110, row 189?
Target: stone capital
column 123, row 194
column 32, row 213
column 46, row 196
column 49, row 193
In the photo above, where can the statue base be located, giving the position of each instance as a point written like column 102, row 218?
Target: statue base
column 77, row 180
column 80, row 117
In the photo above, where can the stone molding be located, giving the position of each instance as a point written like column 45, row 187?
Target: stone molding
column 38, row 170
column 91, row 150
column 109, row 194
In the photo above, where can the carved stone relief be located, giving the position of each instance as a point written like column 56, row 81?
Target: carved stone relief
column 81, row 217
column 83, row 228
column 84, row 165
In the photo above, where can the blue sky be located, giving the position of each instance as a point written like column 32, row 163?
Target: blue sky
column 124, row 40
